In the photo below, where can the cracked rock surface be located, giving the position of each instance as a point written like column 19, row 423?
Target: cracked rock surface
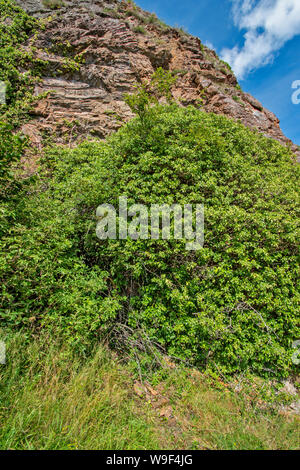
column 121, row 45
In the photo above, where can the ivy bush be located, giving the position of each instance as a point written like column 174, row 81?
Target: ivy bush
column 230, row 306
column 19, row 68
column 16, row 27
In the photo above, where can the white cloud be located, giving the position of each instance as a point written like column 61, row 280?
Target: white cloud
column 209, row 45
column 269, row 25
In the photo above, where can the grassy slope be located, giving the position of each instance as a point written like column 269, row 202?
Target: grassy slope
column 51, row 398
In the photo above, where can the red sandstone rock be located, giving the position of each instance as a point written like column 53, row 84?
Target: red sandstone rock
column 117, row 55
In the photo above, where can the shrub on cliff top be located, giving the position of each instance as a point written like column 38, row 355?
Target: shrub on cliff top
column 232, row 305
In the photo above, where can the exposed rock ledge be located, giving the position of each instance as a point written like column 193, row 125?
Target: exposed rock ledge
column 121, row 45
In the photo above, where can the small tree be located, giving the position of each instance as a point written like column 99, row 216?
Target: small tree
column 147, row 94
column 162, row 82
column 140, row 101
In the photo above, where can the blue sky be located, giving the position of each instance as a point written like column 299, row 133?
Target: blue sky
column 260, row 39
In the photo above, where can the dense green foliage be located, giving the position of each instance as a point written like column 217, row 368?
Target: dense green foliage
column 11, row 189
column 15, row 28
column 11, row 148
column 232, row 305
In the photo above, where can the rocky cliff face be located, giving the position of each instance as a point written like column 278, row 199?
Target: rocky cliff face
column 96, row 52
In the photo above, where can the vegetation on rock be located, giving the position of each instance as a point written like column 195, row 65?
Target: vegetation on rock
column 19, row 68
column 231, row 306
